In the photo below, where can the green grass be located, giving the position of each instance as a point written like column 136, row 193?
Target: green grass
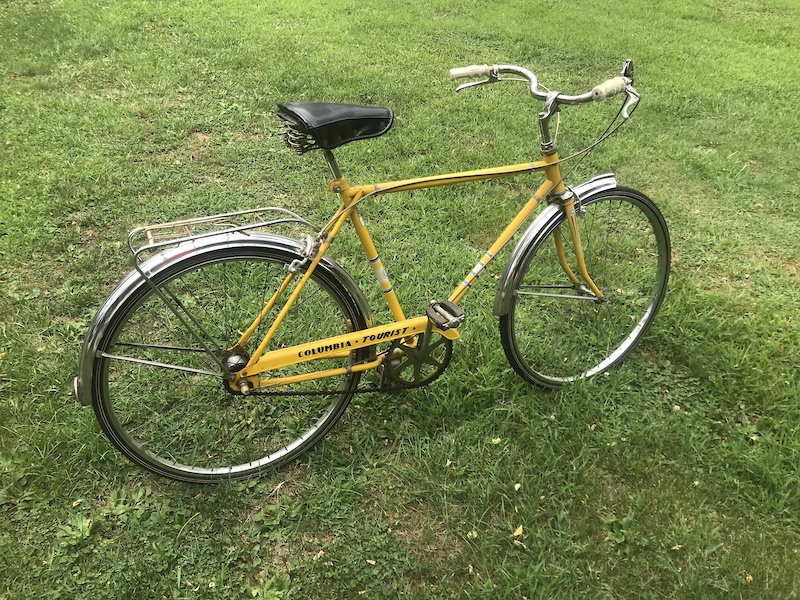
column 673, row 476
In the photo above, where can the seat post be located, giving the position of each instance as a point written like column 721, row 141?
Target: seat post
column 334, row 166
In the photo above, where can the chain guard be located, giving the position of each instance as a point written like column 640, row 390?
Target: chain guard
column 412, row 363
column 410, row 368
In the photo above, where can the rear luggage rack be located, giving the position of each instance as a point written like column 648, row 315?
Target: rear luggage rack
column 143, row 242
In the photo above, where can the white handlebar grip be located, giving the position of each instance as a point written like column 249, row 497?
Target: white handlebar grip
column 609, row 88
column 472, row 71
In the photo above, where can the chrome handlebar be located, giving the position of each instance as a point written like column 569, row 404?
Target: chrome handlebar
column 607, row 89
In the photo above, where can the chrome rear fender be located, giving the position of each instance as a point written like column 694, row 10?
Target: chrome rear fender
column 542, row 226
column 163, row 260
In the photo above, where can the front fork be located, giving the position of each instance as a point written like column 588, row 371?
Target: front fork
column 567, row 200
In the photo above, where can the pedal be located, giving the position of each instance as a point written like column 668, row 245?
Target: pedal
column 445, row 314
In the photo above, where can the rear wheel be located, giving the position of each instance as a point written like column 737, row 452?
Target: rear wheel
column 160, row 396
column 556, row 332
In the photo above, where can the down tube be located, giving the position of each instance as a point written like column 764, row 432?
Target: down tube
column 501, row 241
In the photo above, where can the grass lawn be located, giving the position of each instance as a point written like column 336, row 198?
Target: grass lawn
column 675, row 475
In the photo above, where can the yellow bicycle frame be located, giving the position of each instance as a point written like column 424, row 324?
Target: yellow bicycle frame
column 262, row 361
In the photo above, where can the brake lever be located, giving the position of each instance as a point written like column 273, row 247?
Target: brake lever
column 494, row 77
column 633, row 95
column 633, row 99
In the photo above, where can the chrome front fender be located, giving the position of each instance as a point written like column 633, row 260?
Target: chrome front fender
column 154, row 265
column 595, row 185
column 541, row 227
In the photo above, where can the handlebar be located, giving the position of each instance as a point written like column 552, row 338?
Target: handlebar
column 607, row 89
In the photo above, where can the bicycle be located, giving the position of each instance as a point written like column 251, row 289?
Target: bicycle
column 231, row 350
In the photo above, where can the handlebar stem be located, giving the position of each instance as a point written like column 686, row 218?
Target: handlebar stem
column 551, row 101
column 550, row 108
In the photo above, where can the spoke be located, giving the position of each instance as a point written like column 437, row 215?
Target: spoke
column 156, row 347
column 209, row 320
column 567, row 296
column 158, row 364
column 546, row 287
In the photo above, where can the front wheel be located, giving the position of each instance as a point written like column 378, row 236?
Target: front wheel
column 159, row 394
column 556, row 332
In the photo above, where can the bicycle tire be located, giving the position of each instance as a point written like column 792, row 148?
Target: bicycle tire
column 188, row 426
column 551, row 340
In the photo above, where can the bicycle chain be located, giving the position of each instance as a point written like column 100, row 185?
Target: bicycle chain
column 332, row 392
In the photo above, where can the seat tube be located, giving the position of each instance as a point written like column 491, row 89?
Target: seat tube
column 377, row 265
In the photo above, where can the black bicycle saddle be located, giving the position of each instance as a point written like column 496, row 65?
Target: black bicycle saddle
column 324, row 125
